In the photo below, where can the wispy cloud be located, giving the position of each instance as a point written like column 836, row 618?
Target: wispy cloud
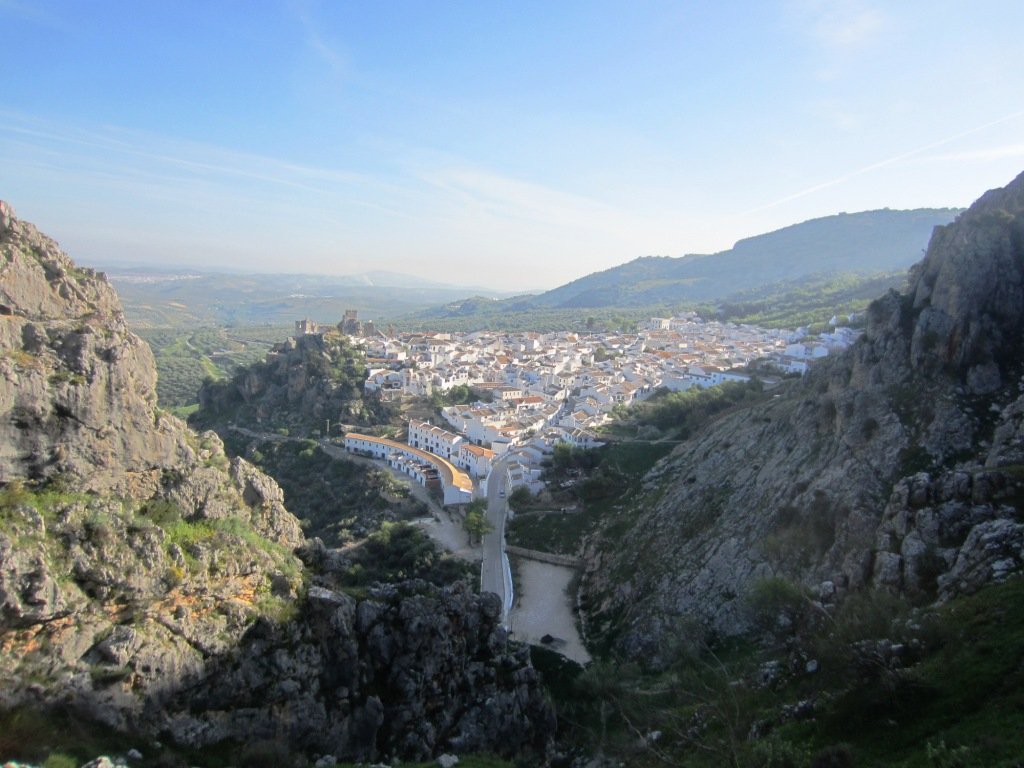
column 411, row 202
column 972, row 155
column 136, row 151
column 903, row 156
column 504, row 197
column 839, row 24
column 328, row 52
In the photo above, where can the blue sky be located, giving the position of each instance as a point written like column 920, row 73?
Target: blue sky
column 512, row 144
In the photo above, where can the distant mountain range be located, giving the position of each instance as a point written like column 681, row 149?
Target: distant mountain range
column 865, row 243
column 181, row 296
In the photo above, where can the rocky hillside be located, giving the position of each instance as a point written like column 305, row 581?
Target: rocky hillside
column 150, row 583
column 407, row 672
column 304, row 382
column 899, row 465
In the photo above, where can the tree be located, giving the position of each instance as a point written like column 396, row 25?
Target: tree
column 567, row 457
column 520, row 498
column 561, row 458
column 475, row 521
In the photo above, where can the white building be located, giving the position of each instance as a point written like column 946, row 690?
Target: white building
column 427, row 437
column 475, row 459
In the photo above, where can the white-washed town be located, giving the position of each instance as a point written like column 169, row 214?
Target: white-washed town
column 535, row 390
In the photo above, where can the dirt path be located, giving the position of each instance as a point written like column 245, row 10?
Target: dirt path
column 448, row 533
column 544, row 606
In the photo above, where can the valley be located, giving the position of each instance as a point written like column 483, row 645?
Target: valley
column 693, row 542
column 511, row 385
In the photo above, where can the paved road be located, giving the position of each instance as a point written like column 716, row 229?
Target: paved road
column 495, row 574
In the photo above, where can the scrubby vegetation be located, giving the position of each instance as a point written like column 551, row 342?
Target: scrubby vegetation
column 307, row 386
column 337, row 500
column 677, row 415
column 475, row 521
column 515, row 317
column 399, row 551
column 586, row 488
column 874, row 683
column 34, row 511
column 460, row 394
column 807, row 303
column 356, row 506
column 57, row 740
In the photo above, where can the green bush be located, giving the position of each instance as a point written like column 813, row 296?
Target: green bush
column 399, row 551
column 163, row 512
column 942, row 756
column 862, row 616
column 834, row 756
column 779, row 607
column 775, row 752
column 520, row 499
column 475, row 519
column 683, row 413
column 336, row 500
column 267, row 753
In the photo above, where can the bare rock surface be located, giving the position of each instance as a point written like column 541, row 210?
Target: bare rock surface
column 77, row 389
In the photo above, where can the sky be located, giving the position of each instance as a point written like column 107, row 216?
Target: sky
column 515, row 145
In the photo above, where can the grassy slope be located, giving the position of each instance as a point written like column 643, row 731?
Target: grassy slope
column 57, row 741
column 968, row 694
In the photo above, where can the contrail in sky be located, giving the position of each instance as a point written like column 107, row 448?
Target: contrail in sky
column 882, row 164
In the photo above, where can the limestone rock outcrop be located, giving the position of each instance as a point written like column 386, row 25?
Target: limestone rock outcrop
column 131, row 548
column 77, row 389
column 407, row 672
column 820, row 483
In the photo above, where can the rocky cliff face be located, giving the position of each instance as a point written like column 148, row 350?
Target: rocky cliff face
column 896, row 465
column 305, row 382
column 407, row 672
column 127, row 553
column 150, row 583
column 77, row 390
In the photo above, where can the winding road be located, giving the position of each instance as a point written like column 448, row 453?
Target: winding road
column 495, row 572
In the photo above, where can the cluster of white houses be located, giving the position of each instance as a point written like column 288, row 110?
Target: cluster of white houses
column 613, row 368
column 537, row 390
column 474, row 459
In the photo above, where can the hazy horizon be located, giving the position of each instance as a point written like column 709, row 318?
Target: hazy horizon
column 281, row 270
column 518, row 147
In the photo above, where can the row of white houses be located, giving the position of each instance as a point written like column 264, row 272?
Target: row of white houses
column 425, row 468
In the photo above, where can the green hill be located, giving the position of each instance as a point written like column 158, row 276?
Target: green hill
column 866, row 243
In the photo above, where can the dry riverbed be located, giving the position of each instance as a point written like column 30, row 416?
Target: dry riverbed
column 544, row 607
